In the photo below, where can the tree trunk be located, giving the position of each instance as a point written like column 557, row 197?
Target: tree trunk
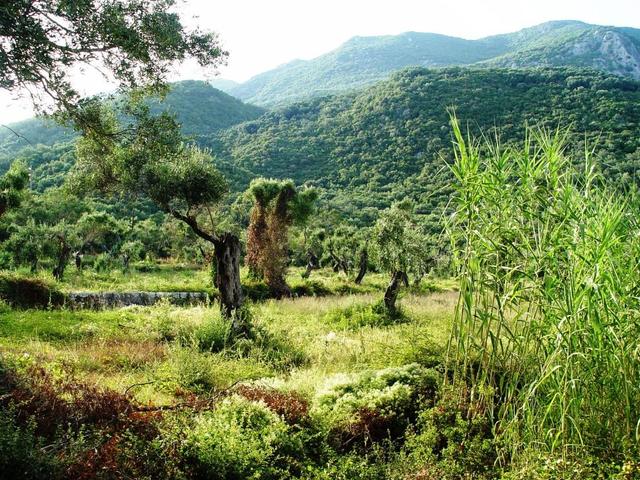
column 405, row 279
column 345, row 267
column 34, row 264
column 227, row 252
column 391, row 293
column 364, row 260
column 312, row 264
column 63, row 259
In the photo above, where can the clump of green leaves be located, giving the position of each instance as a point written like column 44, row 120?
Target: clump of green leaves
column 12, row 185
column 364, row 315
column 373, row 405
column 242, row 439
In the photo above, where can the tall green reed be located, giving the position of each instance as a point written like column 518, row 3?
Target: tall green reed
column 547, row 327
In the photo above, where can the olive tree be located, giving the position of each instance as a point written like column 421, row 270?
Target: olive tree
column 278, row 205
column 348, row 246
column 148, row 157
column 399, row 248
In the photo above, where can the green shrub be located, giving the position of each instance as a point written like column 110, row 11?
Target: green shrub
column 310, row 288
column 541, row 465
column 364, row 315
column 147, row 267
column 103, row 263
column 21, row 454
column 270, row 348
column 373, row 405
column 453, row 439
column 212, row 336
column 24, row 292
column 204, row 372
column 241, row 440
column 256, row 290
column 354, row 467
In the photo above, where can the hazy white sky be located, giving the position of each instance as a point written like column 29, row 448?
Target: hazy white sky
column 262, row 34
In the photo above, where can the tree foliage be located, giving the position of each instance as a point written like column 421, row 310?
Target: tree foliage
column 12, row 185
column 135, row 41
column 278, row 205
column 399, row 248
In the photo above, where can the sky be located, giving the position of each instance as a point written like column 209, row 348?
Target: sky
column 262, row 34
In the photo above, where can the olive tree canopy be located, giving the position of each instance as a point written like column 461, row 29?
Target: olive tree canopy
column 134, row 42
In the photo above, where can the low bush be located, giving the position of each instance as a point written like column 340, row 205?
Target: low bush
column 200, row 372
column 361, row 409
column 212, row 336
column 53, row 404
column 255, row 290
column 310, row 288
column 21, row 453
column 91, row 432
column 271, row 348
column 24, row 292
column 103, row 263
column 147, row 267
column 364, row 315
column 291, row 406
column 259, row 291
column 453, row 439
column 242, row 439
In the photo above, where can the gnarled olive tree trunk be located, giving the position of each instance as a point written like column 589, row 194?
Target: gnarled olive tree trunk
column 391, row 293
column 63, row 259
column 362, row 266
column 227, row 280
column 312, row 263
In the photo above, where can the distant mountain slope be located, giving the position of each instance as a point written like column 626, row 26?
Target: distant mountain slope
column 392, row 141
column 364, row 60
column 199, row 107
column 610, row 49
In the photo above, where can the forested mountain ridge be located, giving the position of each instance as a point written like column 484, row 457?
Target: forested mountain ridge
column 199, row 107
column 393, row 140
column 364, row 60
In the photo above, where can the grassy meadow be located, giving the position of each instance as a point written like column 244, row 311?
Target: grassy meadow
column 181, row 362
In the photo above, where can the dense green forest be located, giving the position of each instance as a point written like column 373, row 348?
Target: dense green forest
column 362, row 61
column 392, row 141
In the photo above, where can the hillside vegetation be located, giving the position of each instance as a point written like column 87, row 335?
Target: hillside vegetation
column 365, row 60
column 199, row 107
column 392, row 141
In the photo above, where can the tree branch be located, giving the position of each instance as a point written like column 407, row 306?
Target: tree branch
column 193, row 223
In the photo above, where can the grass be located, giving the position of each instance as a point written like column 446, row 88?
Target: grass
column 119, row 348
column 184, row 277
column 547, row 324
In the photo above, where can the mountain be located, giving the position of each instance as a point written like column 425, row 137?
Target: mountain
column 365, row 60
column 393, row 141
column 199, row 107
column 610, row 49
